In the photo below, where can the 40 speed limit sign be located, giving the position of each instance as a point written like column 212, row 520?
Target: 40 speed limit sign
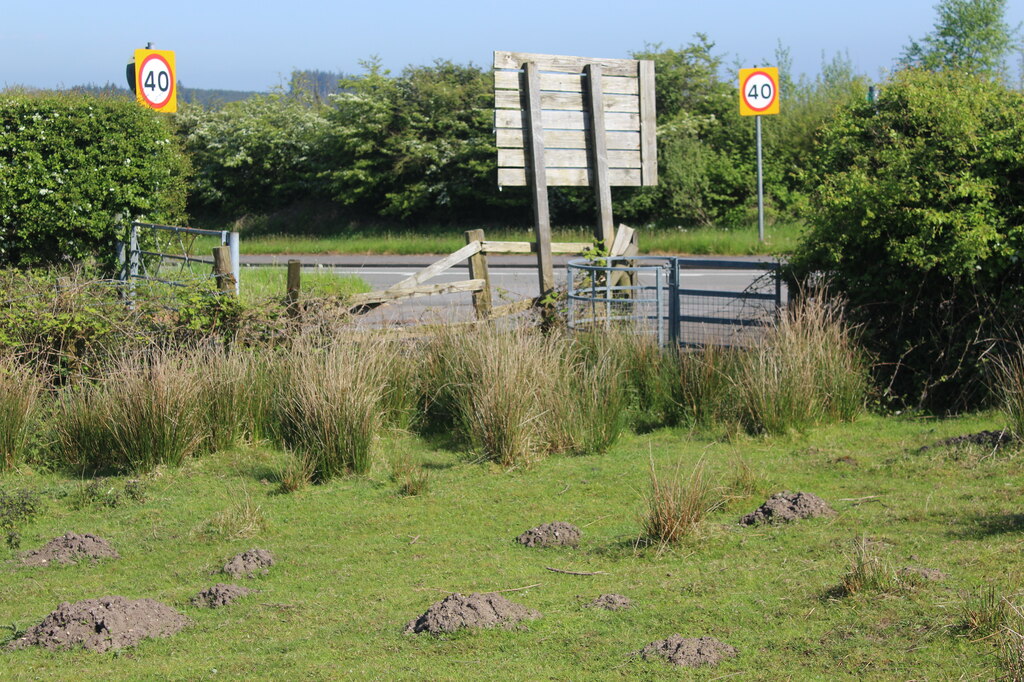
column 759, row 91
column 155, row 80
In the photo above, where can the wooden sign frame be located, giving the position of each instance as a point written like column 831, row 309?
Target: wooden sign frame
column 573, row 121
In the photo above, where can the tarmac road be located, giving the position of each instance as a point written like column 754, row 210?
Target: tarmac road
column 512, row 278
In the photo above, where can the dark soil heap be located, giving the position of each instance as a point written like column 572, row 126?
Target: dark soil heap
column 70, row 548
column 454, row 612
column 219, row 595
column 989, row 439
column 101, row 624
column 557, row 534
column 784, row 507
column 249, row 563
column 690, row 652
column 611, row 602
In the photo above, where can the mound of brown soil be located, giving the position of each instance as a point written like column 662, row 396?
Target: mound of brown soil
column 688, row 651
column 611, row 602
column 70, row 548
column 922, row 573
column 101, row 624
column 557, row 534
column 219, row 595
column 783, row 507
column 249, row 563
column 454, row 612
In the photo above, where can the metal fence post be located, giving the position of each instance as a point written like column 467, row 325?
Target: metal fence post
column 236, row 267
column 133, row 262
column 569, row 296
column 673, row 302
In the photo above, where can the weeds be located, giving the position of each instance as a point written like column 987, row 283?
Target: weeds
column 868, row 571
column 242, row 519
column 676, row 506
column 107, row 493
column 296, row 474
column 16, row 509
column 412, row 479
column 1010, row 382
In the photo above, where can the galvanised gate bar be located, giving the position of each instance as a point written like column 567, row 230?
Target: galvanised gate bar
column 684, row 301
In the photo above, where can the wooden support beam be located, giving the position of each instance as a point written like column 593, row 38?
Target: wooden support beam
column 393, row 294
column 570, row 248
column 598, row 147
column 440, row 266
column 648, row 125
column 478, row 270
column 533, row 129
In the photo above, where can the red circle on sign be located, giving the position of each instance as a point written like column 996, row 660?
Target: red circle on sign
column 775, row 90
column 138, row 81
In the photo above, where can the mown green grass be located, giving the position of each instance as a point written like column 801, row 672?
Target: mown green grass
column 779, row 239
column 357, row 561
column 264, row 282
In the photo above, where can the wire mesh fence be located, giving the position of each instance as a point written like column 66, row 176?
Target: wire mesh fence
column 674, row 299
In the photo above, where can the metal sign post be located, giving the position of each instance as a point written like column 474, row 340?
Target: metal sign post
column 759, row 96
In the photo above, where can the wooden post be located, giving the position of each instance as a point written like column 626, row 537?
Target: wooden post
column 222, row 269
column 478, row 270
column 294, row 284
column 533, row 130
column 597, row 145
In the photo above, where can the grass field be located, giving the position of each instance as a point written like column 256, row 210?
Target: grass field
column 357, row 561
column 385, row 241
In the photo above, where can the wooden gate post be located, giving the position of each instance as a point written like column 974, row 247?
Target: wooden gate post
column 478, row 270
column 222, row 270
column 604, row 231
column 293, row 285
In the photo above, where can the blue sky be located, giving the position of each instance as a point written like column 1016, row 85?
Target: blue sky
column 239, row 46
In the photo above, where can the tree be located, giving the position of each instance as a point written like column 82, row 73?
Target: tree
column 969, row 35
column 918, row 222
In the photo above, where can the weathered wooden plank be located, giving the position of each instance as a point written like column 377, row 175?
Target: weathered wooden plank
column 598, row 156
column 478, row 270
column 567, row 158
column 648, row 126
column 531, row 247
column 623, row 238
column 392, row 294
column 568, row 139
column 570, row 177
column 567, row 101
column 534, row 128
column 565, row 120
column 553, row 62
column 569, row 82
column 438, row 267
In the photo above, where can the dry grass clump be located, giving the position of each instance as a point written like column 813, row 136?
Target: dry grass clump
column 676, row 504
column 868, row 571
column 143, row 412
column 20, row 391
column 411, row 477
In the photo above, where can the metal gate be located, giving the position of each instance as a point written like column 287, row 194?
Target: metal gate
column 678, row 300
column 174, row 244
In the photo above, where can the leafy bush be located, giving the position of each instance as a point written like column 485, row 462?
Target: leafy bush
column 918, row 222
column 69, row 163
column 254, row 154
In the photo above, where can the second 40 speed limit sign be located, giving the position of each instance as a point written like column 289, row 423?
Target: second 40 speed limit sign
column 759, row 91
column 155, row 80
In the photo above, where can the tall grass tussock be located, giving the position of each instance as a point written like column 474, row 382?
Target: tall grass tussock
column 144, row 412
column 20, row 392
column 676, row 505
